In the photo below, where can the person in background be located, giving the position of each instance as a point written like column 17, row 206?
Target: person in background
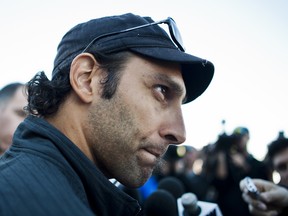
column 12, row 102
column 227, row 162
column 241, row 158
column 193, row 182
column 190, row 156
column 110, row 111
column 277, row 158
column 272, row 199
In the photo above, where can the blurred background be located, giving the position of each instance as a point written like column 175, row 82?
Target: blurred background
column 246, row 40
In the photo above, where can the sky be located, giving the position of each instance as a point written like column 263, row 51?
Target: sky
column 245, row 39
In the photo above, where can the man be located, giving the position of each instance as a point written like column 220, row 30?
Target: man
column 110, row 111
column 241, row 157
column 277, row 156
column 272, row 199
column 12, row 102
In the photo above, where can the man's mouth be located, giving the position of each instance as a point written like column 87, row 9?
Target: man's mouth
column 157, row 153
column 150, row 156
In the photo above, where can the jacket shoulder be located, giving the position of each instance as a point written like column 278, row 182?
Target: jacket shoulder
column 34, row 185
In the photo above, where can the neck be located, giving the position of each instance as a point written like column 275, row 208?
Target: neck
column 72, row 124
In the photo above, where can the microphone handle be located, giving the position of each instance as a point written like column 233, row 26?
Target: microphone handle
column 194, row 213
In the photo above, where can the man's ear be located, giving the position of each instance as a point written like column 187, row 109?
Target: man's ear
column 84, row 72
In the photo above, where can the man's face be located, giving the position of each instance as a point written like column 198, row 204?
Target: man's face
column 242, row 145
column 11, row 114
column 280, row 163
column 130, row 132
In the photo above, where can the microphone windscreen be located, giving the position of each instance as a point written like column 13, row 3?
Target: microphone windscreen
column 172, row 185
column 189, row 202
column 159, row 203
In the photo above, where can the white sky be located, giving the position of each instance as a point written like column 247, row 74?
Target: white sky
column 245, row 39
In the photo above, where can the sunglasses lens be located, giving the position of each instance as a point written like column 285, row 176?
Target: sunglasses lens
column 175, row 34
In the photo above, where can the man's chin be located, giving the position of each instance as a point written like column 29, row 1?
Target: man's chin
column 159, row 169
column 143, row 176
column 136, row 182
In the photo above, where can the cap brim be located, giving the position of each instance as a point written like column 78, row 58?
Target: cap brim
column 197, row 73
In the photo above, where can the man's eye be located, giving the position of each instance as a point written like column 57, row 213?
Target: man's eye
column 161, row 91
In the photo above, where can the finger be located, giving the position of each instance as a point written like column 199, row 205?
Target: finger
column 263, row 185
column 242, row 186
column 258, row 212
column 258, row 204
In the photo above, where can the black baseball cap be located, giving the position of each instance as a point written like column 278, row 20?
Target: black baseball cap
column 107, row 36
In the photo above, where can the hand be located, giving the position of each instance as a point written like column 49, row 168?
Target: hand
column 272, row 200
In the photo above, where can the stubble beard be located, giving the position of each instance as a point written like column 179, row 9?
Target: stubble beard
column 114, row 134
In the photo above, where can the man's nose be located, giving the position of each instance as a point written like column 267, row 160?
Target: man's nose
column 173, row 130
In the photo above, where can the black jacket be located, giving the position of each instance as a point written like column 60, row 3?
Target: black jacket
column 44, row 173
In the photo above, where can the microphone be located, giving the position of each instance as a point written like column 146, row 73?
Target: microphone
column 163, row 201
column 188, row 205
column 189, row 202
column 171, row 195
column 172, row 185
column 160, row 202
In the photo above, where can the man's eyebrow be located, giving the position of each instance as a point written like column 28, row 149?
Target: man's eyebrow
column 175, row 87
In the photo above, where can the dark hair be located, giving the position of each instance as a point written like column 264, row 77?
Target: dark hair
column 8, row 91
column 277, row 146
column 45, row 96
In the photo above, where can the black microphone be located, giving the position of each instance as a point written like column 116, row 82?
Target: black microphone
column 164, row 200
column 188, row 205
column 172, row 185
column 160, row 202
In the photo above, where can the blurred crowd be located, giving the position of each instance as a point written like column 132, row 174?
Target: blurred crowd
column 214, row 172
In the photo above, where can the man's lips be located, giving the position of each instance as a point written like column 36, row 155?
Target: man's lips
column 154, row 151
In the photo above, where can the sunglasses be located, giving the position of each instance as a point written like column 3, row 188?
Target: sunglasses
column 173, row 30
